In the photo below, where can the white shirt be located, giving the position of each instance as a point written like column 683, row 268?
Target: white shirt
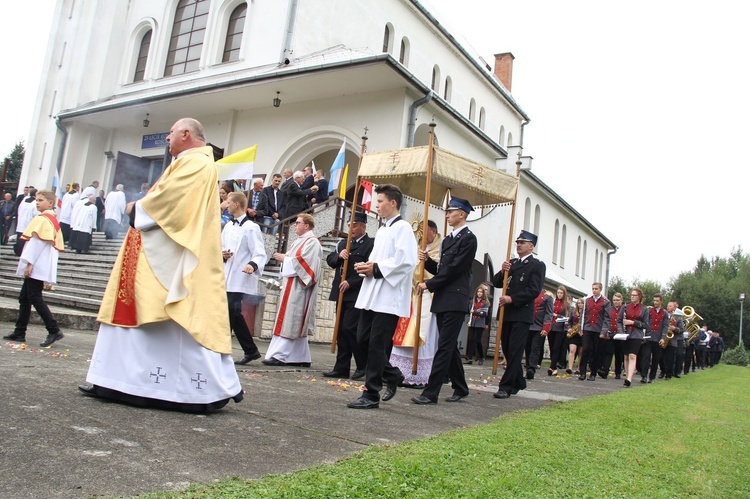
column 26, row 213
column 246, row 243
column 85, row 218
column 395, row 252
column 66, row 211
column 114, row 206
column 43, row 256
column 89, row 190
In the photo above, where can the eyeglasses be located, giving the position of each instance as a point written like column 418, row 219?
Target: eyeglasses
column 298, row 222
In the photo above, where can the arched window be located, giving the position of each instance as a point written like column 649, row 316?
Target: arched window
column 564, row 240
column 472, row 109
column 448, row 89
column 556, row 242
column 235, row 29
column 403, row 56
column 537, row 217
column 510, row 139
column 140, row 65
column 435, row 78
column 501, row 140
column 188, row 31
column 601, row 265
column 481, row 117
column 578, row 256
column 583, row 264
column 596, row 263
column 526, row 214
column 388, row 38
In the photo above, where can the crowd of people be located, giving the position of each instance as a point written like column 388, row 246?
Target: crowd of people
column 165, row 341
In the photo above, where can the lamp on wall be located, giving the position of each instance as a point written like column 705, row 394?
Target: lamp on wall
column 109, row 154
column 277, row 101
column 146, row 122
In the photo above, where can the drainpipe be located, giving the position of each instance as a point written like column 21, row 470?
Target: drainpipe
column 412, row 127
column 287, row 52
column 523, row 124
column 63, row 141
column 606, row 280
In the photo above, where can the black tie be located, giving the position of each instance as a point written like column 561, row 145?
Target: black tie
column 234, row 221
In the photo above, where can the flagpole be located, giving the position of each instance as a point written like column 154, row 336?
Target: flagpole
column 423, row 245
column 340, row 301
column 501, row 312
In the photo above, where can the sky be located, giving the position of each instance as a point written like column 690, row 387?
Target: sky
column 640, row 112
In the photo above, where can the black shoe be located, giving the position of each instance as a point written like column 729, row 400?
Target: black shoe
column 582, row 377
column 568, row 371
column 617, row 376
column 15, row 337
column 273, row 361
column 549, row 372
column 297, row 364
column 678, row 376
column 644, row 380
column 667, row 378
column 627, row 383
column 530, row 373
column 358, row 374
column 422, row 400
column 51, row 338
column 661, row 375
column 480, row 361
column 363, row 403
column 334, row 374
column 592, row 378
column 89, row 390
column 602, row 374
column 501, row 394
column 390, row 392
column 467, row 362
column 650, row 380
column 456, row 397
column 248, row 358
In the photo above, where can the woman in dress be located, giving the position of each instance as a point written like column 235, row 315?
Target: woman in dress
column 556, row 337
column 633, row 320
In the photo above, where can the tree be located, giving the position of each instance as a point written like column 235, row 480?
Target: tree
column 713, row 288
column 16, row 163
column 649, row 288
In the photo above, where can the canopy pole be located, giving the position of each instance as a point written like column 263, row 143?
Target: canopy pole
column 423, row 245
column 501, row 312
column 340, row 301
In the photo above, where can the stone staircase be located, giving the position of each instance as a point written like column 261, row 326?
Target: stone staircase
column 81, row 279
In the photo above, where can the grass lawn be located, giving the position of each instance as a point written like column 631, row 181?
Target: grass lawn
column 683, row 438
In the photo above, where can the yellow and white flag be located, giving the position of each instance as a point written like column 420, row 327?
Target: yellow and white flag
column 237, row 165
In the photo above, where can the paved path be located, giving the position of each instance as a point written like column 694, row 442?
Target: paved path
column 55, row 442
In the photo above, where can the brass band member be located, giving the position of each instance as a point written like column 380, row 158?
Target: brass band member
column 610, row 347
column 538, row 331
column 595, row 320
column 675, row 327
column 633, row 319
column 556, row 336
column 658, row 321
column 574, row 338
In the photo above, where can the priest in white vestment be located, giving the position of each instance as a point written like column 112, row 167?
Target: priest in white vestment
column 66, row 210
column 164, row 339
column 114, row 212
column 83, row 223
column 295, row 316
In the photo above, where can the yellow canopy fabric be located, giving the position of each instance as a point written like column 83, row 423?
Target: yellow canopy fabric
column 481, row 185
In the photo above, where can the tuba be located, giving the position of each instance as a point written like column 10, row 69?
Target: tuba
column 691, row 322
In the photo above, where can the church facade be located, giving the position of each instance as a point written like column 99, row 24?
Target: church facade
column 295, row 77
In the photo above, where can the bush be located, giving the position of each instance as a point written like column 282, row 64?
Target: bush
column 736, row 356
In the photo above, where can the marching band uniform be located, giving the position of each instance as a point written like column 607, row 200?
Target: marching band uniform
column 658, row 322
column 670, row 353
column 556, row 335
column 543, row 307
column 596, row 320
column 609, row 347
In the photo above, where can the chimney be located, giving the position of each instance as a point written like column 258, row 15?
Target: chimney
column 504, row 68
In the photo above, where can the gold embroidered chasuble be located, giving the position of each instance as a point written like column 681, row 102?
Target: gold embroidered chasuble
column 174, row 271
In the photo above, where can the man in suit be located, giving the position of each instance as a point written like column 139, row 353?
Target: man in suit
column 322, row 183
column 287, row 179
column 295, row 197
column 309, row 179
column 451, row 285
column 525, row 282
column 7, row 212
column 257, row 205
column 359, row 251
column 275, row 204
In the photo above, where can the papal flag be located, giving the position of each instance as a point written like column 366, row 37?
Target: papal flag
column 237, row 165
